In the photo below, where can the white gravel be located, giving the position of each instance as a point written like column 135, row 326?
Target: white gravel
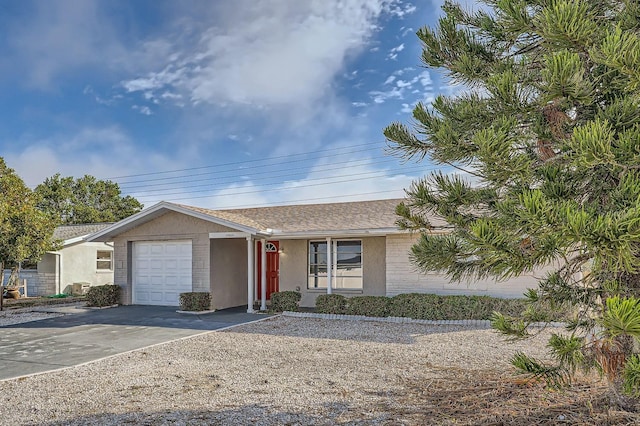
column 18, row 316
column 280, row 371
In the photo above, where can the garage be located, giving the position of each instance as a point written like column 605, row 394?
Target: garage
column 161, row 271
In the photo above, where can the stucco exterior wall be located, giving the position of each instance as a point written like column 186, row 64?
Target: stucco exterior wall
column 56, row 272
column 79, row 265
column 293, row 268
column 228, row 272
column 402, row 276
column 294, row 264
column 169, row 226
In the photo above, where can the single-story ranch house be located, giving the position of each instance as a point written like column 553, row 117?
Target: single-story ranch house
column 169, row 248
column 76, row 265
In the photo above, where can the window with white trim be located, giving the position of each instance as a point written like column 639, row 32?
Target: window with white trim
column 104, row 260
column 346, row 268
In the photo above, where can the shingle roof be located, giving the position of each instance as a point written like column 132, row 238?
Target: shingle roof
column 67, row 232
column 357, row 215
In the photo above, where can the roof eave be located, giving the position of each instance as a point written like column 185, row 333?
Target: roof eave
column 74, row 240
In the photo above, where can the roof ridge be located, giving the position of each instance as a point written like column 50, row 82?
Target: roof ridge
column 341, row 203
column 86, row 224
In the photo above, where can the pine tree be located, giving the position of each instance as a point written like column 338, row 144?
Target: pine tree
column 547, row 134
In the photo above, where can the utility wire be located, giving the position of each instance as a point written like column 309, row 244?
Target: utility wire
column 167, row 186
column 233, row 163
column 276, row 189
column 238, row 170
column 323, row 181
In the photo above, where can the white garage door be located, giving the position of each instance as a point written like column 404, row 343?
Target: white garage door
column 161, row 271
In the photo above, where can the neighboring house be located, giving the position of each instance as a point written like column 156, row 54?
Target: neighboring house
column 76, row 262
column 169, row 248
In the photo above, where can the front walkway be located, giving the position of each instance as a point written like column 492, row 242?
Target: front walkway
column 88, row 335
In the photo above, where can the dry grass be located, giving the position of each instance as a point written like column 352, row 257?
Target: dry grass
column 463, row 397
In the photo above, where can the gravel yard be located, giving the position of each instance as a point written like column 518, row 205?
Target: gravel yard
column 18, row 316
column 279, row 371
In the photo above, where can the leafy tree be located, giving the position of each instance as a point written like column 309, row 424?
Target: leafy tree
column 546, row 128
column 26, row 233
column 84, row 200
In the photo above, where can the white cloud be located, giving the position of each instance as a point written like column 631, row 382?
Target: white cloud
column 406, row 31
column 404, row 87
column 88, row 90
column 169, row 95
column 381, row 97
column 425, row 79
column 142, row 109
column 393, row 52
column 403, row 9
column 276, row 53
column 271, row 55
column 89, row 150
column 403, row 70
column 362, row 182
column 58, row 36
column 341, row 168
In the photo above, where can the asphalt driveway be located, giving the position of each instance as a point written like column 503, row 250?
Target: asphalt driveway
column 84, row 335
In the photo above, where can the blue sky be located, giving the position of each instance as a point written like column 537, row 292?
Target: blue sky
column 214, row 103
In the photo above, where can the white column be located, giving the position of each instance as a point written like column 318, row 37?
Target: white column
column 250, row 274
column 329, row 266
column 263, row 277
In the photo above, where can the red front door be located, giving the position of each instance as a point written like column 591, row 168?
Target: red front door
column 273, row 268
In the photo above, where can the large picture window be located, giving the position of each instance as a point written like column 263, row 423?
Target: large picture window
column 346, row 257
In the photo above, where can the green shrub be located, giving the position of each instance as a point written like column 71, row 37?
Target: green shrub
column 371, row 306
column 331, row 304
column 285, row 301
column 467, row 307
column 433, row 307
column 428, row 307
column 414, row 305
column 103, row 295
column 195, row 301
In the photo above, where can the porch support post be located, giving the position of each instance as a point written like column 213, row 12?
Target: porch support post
column 329, row 267
column 250, row 274
column 263, row 276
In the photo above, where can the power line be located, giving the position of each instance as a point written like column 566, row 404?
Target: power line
column 351, row 163
column 276, row 189
column 237, row 162
column 324, row 181
column 236, row 170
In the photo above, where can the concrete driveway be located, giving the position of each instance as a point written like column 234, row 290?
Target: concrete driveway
column 84, row 335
